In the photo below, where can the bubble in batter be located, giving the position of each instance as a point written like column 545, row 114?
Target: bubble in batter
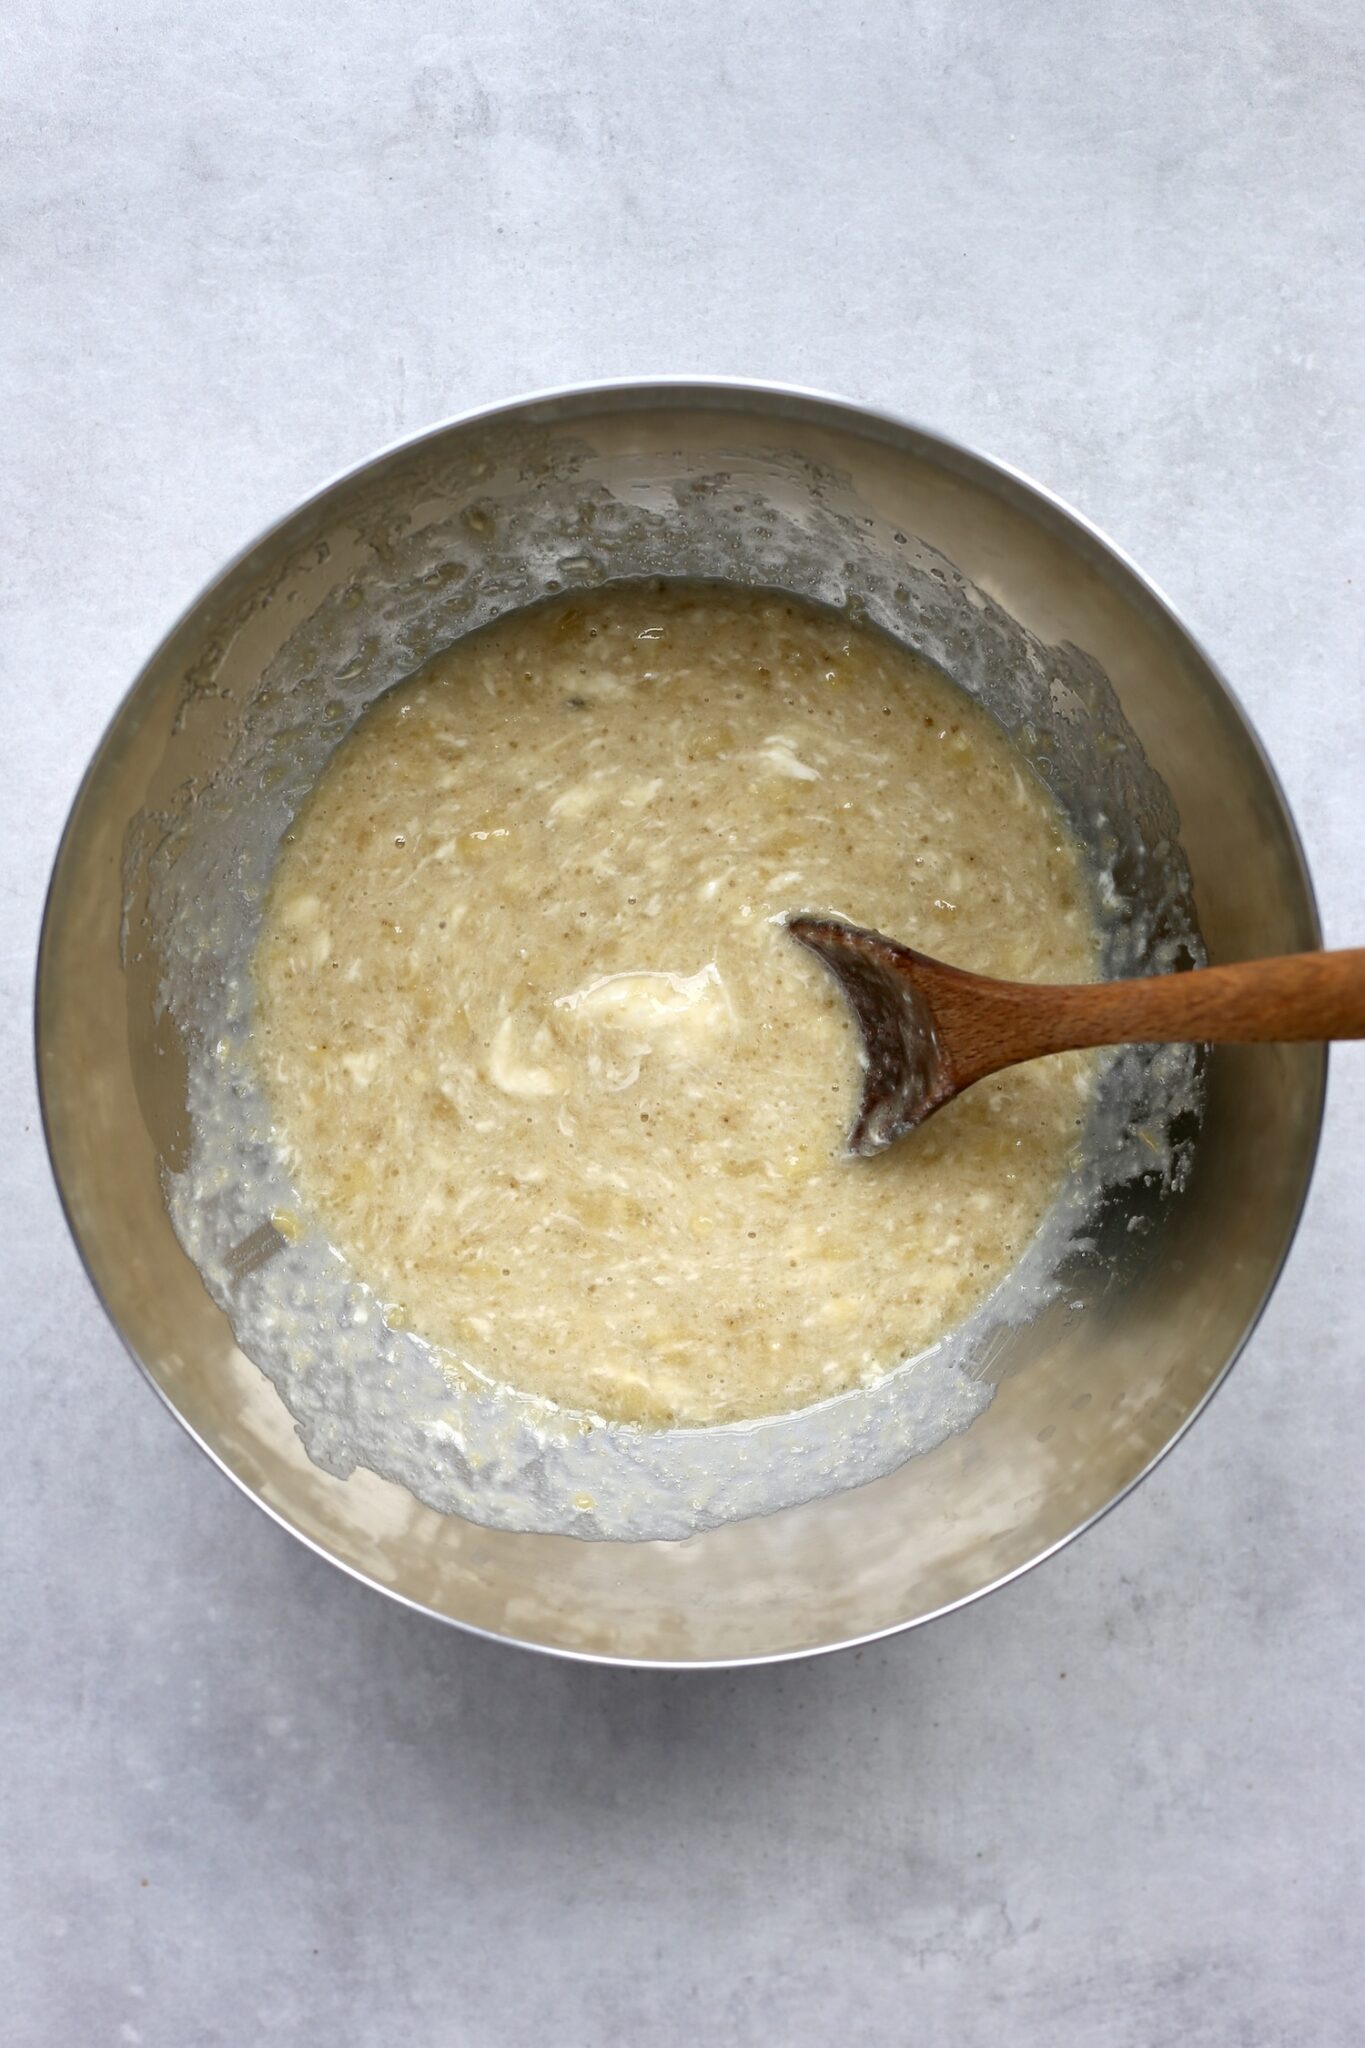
column 549, row 1073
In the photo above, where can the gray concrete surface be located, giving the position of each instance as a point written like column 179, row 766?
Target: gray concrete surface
column 246, row 1802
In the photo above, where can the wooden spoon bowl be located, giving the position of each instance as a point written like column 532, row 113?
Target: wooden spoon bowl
column 930, row 1030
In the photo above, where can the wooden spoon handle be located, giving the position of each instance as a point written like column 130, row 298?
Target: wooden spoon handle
column 1296, row 996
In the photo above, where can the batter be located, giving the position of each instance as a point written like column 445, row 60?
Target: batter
column 546, row 1068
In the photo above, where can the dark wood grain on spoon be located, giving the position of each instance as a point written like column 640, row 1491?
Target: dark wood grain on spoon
column 930, row 1030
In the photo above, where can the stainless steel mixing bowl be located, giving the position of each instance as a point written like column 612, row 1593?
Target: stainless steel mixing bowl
column 1091, row 1399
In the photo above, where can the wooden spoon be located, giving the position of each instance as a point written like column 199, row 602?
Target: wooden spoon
column 930, row 1030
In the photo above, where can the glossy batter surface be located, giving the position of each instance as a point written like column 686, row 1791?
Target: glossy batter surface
column 549, row 1074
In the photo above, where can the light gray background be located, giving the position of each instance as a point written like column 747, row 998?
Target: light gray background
column 246, row 1802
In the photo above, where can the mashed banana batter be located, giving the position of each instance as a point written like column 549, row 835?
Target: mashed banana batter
column 549, row 1073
